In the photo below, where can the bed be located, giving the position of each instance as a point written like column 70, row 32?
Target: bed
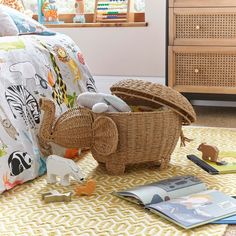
column 34, row 66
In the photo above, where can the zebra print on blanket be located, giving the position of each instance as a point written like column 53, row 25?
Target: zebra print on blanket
column 22, row 103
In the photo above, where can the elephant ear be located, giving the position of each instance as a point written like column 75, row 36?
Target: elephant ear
column 105, row 136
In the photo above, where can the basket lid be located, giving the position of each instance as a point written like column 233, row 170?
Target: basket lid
column 154, row 94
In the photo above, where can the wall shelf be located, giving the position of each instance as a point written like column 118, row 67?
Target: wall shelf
column 79, row 25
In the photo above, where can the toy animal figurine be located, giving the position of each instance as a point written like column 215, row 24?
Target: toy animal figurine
column 76, row 128
column 49, row 10
column 59, row 166
column 79, row 12
column 55, row 196
column 209, row 152
column 87, row 189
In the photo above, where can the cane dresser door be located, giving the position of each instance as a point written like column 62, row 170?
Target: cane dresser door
column 202, row 26
column 196, row 69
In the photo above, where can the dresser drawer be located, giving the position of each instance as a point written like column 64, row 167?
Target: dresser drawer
column 202, row 69
column 202, row 26
column 202, row 3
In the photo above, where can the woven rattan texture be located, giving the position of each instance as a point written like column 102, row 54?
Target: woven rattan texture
column 23, row 213
column 206, row 69
column 64, row 130
column 76, row 128
column 206, row 26
column 143, row 137
column 157, row 94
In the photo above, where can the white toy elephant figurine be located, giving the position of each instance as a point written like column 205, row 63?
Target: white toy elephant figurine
column 64, row 168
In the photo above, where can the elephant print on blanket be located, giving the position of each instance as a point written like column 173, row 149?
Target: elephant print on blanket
column 28, row 72
column 22, row 103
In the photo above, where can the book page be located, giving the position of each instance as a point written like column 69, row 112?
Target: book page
column 196, row 209
column 165, row 190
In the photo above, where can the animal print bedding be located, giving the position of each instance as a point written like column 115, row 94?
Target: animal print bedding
column 32, row 67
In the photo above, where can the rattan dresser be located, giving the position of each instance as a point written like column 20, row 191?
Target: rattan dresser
column 202, row 46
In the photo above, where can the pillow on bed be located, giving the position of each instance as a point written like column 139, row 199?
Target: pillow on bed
column 8, row 26
column 25, row 24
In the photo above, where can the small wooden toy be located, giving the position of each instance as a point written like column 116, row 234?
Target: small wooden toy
column 113, row 10
column 79, row 12
column 55, row 196
column 50, row 11
column 87, row 189
column 62, row 167
column 209, row 152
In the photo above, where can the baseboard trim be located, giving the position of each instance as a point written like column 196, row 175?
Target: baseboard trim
column 213, row 103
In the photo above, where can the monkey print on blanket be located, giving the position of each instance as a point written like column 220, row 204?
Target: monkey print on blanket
column 22, row 103
column 7, row 125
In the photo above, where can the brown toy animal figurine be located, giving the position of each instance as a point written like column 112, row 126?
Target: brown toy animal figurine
column 209, row 152
column 76, row 128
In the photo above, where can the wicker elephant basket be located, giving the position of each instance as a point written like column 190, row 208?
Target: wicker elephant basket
column 146, row 137
column 121, row 139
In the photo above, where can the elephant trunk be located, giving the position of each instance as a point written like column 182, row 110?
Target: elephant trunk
column 45, row 131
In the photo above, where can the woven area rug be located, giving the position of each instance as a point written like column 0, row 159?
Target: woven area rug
column 23, row 213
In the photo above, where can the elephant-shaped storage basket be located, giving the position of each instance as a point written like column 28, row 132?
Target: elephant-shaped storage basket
column 125, row 138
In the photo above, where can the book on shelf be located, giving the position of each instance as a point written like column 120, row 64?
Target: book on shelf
column 226, row 163
column 183, row 200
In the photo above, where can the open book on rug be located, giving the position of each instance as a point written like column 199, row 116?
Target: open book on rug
column 183, row 200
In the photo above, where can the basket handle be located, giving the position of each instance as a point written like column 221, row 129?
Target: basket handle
column 105, row 136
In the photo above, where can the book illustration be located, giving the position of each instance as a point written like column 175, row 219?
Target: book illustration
column 187, row 209
column 225, row 164
column 164, row 190
column 177, row 183
column 196, row 209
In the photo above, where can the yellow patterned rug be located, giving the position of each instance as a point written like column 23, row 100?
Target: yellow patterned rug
column 23, row 213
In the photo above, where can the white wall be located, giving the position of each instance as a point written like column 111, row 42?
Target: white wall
column 125, row 51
